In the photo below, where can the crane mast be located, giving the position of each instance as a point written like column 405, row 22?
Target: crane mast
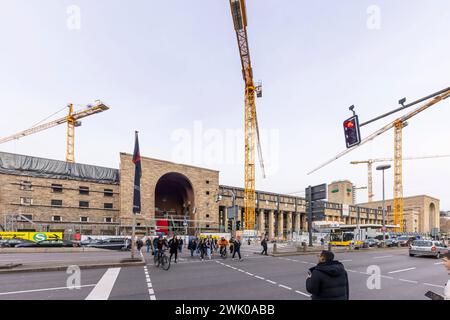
column 239, row 14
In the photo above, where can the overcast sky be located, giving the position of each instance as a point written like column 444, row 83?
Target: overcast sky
column 171, row 70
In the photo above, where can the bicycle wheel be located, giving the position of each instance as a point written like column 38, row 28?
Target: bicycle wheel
column 155, row 259
column 165, row 263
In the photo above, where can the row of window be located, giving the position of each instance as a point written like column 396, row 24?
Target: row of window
column 82, row 219
column 59, row 203
column 58, row 188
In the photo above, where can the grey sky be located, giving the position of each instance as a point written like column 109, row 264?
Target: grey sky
column 168, row 67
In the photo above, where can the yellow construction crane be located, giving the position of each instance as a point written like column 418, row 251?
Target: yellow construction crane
column 370, row 162
column 398, row 125
column 239, row 14
column 72, row 120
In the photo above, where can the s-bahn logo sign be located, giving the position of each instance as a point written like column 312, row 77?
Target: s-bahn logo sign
column 40, row 237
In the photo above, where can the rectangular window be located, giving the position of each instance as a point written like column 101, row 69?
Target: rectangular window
column 207, row 215
column 108, row 206
column 26, row 201
column 26, row 185
column 56, row 203
column 108, row 193
column 56, row 218
column 84, row 191
column 108, row 220
column 84, row 204
column 57, row 188
column 207, row 181
column 389, row 208
column 84, row 219
column 23, row 216
column 207, row 193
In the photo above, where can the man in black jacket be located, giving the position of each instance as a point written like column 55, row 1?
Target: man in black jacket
column 328, row 280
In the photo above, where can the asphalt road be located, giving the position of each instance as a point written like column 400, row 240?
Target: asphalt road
column 255, row 278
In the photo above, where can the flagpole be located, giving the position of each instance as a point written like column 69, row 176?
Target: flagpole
column 133, row 234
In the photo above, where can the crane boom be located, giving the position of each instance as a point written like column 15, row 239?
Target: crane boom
column 71, row 120
column 239, row 14
column 387, row 127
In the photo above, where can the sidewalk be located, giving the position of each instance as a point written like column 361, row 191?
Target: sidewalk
column 57, row 261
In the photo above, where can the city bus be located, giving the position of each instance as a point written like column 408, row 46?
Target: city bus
column 355, row 235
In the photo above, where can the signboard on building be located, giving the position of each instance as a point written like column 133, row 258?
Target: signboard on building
column 249, row 233
column 32, row 236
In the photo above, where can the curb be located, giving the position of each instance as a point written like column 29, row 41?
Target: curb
column 83, row 267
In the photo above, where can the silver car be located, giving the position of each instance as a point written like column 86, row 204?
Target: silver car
column 427, row 248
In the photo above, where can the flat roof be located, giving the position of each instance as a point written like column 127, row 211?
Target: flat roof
column 23, row 165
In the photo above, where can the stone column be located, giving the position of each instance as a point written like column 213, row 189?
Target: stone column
column 271, row 225
column 280, row 224
column 289, row 225
column 261, row 222
column 297, row 222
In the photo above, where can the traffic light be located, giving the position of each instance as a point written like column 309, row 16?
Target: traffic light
column 351, row 131
column 230, row 225
column 238, row 225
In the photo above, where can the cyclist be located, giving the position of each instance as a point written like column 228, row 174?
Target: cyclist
column 223, row 244
column 162, row 245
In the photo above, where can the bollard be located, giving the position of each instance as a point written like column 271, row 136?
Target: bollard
column 275, row 247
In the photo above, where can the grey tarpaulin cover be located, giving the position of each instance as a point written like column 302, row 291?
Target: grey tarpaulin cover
column 45, row 168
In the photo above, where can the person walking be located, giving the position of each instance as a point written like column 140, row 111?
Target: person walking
column 180, row 247
column 148, row 243
column 139, row 244
column 264, row 245
column 237, row 248
column 209, row 247
column 192, row 246
column 328, row 280
column 173, row 248
column 231, row 245
column 202, row 248
column 155, row 245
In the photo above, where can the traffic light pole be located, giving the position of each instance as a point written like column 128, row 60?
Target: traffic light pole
column 310, row 215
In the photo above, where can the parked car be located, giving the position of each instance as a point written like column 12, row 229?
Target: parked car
column 427, row 248
column 111, row 244
column 11, row 243
column 391, row 242
column 48, row 244
column 371, row 242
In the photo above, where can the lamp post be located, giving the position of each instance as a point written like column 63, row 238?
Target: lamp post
column 383, row 168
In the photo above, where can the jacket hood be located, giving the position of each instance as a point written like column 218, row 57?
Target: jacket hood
column 333, row 268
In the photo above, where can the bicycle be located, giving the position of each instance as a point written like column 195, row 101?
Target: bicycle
column 162, row 260
column 224, row 253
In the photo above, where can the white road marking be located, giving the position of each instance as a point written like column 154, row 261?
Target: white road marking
column 346, row 260
column 305, row 294
column 437, row 263
column 285, row 287
column 381, row 257
column 260, row 277
column 352, row 271
column 272, row 282
column 387, row 277
column 45, row 289
column 433, row 285
column 410, row 281
column 151, row 292
column 240, row 270
column 250, row 274
column 402, row 270
column 104, row 287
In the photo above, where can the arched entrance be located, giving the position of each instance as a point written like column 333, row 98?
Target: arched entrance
column 432, row 215
column 174, row 202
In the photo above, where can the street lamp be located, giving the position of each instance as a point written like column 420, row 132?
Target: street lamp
column 383, row 168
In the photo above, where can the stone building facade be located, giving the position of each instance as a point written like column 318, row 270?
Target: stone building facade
column 175, row 197
column 420, row 213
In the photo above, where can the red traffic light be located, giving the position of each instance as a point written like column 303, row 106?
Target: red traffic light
column 349, row 124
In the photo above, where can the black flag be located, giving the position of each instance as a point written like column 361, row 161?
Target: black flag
column 137, row 177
